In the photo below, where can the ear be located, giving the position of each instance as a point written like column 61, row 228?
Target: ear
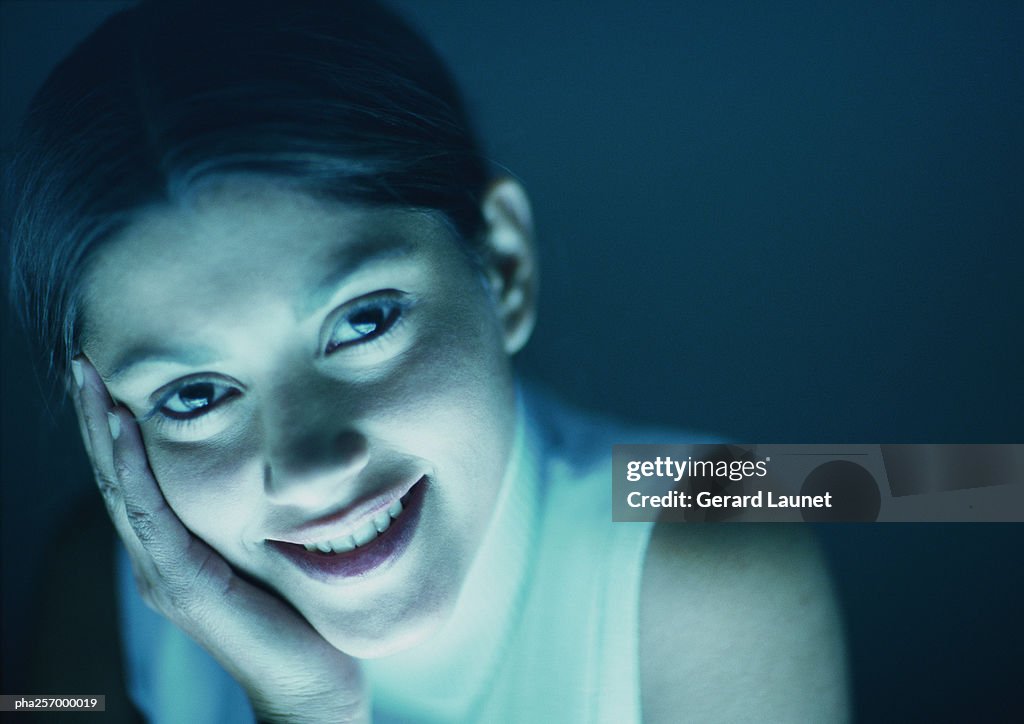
column 510, row 260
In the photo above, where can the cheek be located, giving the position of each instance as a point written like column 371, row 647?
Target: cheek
column 212, row 487
column 458, row 366
column 453, row 403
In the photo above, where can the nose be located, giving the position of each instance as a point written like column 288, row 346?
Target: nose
column 313, row 453
column 311, row 476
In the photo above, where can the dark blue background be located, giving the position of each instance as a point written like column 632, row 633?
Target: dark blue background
column 793, row 222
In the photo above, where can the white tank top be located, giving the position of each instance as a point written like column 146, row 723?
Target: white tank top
column 545, row 629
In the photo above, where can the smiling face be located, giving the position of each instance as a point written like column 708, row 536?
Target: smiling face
column 324, row 392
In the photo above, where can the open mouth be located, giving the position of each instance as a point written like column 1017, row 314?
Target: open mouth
column 363, row 536
column 374, row 544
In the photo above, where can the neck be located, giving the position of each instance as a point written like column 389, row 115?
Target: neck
column 447, row 674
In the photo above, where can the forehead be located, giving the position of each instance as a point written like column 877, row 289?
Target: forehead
column 243, row 247
column 253, row 228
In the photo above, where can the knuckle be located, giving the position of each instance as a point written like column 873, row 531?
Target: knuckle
column 185, row 604
column 200, row 579
column 122, row 469
column 189, row 586
column 142, row 523
column 161, row 597
column 197, row 590
column 108, row 488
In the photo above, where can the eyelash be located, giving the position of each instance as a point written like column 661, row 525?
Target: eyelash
column 393, row 307
column 165, row 416
column 216, row 400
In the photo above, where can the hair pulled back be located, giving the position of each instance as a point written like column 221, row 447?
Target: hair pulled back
column 338, row 98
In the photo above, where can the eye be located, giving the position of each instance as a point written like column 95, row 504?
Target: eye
column 195, row 399
column 367, row 321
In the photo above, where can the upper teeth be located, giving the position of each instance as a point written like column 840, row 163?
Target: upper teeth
column 361, row 535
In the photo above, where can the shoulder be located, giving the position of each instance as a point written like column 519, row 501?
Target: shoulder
column 738, row 622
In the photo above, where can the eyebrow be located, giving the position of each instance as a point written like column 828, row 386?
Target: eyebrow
column 350, row 260
column 192, row 356
column 343, row 264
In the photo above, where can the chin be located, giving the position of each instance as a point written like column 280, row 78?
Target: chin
column 393, row 638
column 391, row 623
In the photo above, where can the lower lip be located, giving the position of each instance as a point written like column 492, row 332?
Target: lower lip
column 376, row 555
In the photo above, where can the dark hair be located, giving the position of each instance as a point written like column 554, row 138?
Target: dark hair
column 340, row 98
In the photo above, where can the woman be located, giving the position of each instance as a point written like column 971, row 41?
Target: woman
column 263, row 241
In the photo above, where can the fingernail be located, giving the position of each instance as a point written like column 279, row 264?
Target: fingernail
column 115, row 425
column 76, row 372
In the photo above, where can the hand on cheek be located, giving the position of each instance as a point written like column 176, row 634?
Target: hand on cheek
column 288, row 670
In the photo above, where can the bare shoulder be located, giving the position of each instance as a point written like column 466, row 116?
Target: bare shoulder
column 738, row 622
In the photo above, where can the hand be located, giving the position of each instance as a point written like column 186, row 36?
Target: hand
column 290, row 673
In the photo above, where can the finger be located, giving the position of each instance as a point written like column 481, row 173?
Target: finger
column 77, row 379
column 152, row 520
column 94, row 403
column 159, row 546
column 161, row 549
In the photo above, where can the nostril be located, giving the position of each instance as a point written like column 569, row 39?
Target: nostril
column 312, row 466
column 351, row 448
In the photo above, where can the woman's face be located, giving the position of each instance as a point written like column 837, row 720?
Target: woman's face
column 306, row 375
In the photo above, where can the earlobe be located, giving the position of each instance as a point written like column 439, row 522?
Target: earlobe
column 511, row 260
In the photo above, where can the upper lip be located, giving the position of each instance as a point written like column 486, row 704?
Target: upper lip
column 344, row 521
